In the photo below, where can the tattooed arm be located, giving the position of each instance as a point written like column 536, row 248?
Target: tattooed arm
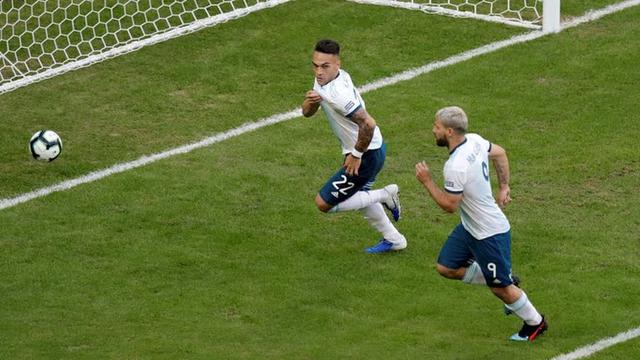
column 501, row 163
column 366, row 128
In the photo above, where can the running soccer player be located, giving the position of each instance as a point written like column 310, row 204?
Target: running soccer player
column 478, row 251
column 364, row 151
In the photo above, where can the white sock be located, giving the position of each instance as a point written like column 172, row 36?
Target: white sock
column 525, row 310
column 361, row 200
column 378, row 219
column 473, row 275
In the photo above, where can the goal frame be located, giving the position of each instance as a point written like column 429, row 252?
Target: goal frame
column 550, row 13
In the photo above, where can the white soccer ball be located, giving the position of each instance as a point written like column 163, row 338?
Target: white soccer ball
column 45, row 145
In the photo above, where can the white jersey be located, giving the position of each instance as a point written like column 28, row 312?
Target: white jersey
column 340, row 100
column 467, row 173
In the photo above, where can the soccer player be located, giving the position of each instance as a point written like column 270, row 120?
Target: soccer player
column 364, row 151
column 478, row 250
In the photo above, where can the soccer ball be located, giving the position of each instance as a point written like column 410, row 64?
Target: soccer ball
column 45, row 145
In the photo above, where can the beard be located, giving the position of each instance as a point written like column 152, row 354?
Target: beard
column 443, row 142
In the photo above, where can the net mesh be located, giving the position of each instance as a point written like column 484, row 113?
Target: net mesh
column 38, row 35
column 526, row 12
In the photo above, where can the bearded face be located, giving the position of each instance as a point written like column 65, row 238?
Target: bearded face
column 442, row 141
column 440, row 133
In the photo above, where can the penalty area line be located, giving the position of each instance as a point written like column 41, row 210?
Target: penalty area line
column 274, row 119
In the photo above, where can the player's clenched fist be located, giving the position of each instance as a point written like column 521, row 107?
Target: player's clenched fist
column 313, row 97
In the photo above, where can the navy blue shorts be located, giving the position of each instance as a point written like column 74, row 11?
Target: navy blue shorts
column 341, row 186
column 493, row 254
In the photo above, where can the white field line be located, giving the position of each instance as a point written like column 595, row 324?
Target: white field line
column 148, row 159
column 412, row 73
column 589, row 350
column 252, row 126
column 592, row 15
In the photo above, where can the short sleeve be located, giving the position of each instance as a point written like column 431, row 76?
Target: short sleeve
column 345, row 100
column 486, row 144
column 454, row 181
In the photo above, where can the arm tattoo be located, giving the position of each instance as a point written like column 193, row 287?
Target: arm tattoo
column 365, row 130
column 503, row 172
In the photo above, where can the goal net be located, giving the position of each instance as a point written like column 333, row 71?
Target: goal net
column 44, row 38
column 524, row 13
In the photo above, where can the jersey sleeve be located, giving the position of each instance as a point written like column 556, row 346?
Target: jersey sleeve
column 345, row 100
column 486, row 144
column 454, row 181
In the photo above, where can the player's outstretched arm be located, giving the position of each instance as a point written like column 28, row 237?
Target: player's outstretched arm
column 498, row 156
column 311, row 103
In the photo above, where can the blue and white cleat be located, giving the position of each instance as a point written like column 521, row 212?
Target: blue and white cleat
column 385, row 246
column 393, row 203
column 530, row 332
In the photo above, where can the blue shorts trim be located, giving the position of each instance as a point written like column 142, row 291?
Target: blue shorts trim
column 493, row 254
column 341, row 186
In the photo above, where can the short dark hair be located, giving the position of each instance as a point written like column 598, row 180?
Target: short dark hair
column 328, row 46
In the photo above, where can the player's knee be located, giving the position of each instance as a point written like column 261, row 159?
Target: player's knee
column 508, row 294
column 498, row 291
column 322, row 205
column 448, row 272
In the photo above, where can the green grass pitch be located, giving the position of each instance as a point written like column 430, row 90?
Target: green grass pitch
column 221, row 254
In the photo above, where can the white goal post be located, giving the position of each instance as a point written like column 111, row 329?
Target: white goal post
column 532, row 14
column 44, row 38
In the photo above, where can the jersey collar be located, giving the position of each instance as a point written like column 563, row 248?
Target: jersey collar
column 457, row 146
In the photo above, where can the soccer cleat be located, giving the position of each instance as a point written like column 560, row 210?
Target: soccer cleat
column 393, row 203
column 385, row 246
column 516, row 282
column 530, row 332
